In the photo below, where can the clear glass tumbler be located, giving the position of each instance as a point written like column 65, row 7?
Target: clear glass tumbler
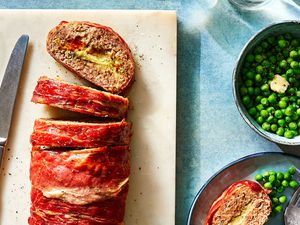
column 249, row 4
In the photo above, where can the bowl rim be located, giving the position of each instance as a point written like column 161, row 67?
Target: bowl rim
column 251, row 156
column 264, row 134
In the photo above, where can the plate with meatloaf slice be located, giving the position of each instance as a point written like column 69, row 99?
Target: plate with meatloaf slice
column 232, row 196
column 93, row 133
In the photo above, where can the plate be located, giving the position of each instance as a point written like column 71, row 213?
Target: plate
column 244, row 168
column 151, row 36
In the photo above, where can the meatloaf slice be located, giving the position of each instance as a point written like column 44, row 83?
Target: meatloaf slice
column 64, row 134
column 243, row 203
column 79, row 187
column 80, row 176
column 79, row 99
column 94, row 52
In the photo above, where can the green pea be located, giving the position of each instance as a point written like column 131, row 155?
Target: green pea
column 272, row 59
column 276, row 183
column 294, row 117
column 294, row 184
column 272, row 99
column 285, row 183
column 264, row 101
column 272, row 172
column 260, row 69
column 293, row 126
column 265, row 87
column 292, row 170
column 250, row 58
column 294, row 64
column 293, row 54
column 274, row 127
column 279, row 176
column 280, row 131
column 278, row 209
column 259, row 107
column 288, row 134
column 258, row 177
column 281, row 122
column 285, row 98
column 298, row 112
column 278, row 114
column 283, row 64
column 288, row 119
column 272, row 178
column 264, row 113
column 282, row 104
column 289, row 72
column 275, row 200
column 246, row 100
column 248, row 83
column 260, row 120
column 271, row 40
column 268, row 185
column 266, row 126
column 258, row 97
column 258, row 78
column 289, row 60
column 252, row 111
column 282, row 199
column 295, row 133
column 250, row 75
column 293, row 98
column 287, row 176
column 259, row 58
column 289, row 111
column 282, row 43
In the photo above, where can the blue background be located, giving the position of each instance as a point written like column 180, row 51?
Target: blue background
column 211, row 33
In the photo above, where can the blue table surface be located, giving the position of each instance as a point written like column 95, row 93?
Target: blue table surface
column 211, row 33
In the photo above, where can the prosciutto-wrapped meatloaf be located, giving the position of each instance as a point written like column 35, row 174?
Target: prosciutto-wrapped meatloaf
column 243, row 203
column 79, row 187
column 94, row 52
column 79, row 99
column 65, row 134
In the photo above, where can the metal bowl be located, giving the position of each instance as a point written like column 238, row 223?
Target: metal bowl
column 292, row 27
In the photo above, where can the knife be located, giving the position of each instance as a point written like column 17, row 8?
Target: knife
column 9, row 89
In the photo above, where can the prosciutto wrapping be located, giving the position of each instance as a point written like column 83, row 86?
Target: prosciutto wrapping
column 79, row 187
column 57, row 133
column 79, row 99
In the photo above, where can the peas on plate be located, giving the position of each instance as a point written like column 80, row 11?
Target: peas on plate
column 270, row 88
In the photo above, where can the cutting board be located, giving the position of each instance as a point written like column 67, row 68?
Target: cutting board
column 151, row 35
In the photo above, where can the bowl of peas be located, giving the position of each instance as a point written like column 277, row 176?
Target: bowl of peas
column 266, row 83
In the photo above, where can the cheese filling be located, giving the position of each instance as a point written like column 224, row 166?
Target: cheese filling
column 102, row 60
column 83, row 195
column 241, row 219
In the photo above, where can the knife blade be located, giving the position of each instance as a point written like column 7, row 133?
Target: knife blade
column 9, row 89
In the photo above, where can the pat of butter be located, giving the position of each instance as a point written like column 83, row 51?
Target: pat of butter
column 279, row 84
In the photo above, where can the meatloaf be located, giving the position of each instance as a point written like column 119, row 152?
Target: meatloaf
column 79, row 187
column 243, row 203
column 66, row 134
column 79, row 99
column 94, row 52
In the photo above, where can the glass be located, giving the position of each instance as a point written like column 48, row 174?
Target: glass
column 249, row 4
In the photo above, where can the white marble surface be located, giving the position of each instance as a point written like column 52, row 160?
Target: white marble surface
column 151, row 35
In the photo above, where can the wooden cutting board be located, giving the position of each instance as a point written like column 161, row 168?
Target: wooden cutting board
column 151, row 35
